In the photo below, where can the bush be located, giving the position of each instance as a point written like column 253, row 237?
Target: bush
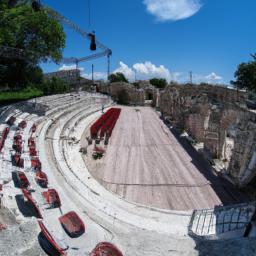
column 158, row 83
column 55, row 86
column 117, row 77
column 246, row 75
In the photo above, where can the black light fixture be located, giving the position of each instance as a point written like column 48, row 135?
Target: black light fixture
column 93, row 46
column 36, row 6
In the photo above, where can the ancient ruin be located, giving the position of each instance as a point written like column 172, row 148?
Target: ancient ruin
column 149, row 153
column 219, row 118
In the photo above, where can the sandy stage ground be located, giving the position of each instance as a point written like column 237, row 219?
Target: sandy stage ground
column 145, row 163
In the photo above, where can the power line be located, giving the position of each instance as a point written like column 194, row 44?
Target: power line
column 89, row 12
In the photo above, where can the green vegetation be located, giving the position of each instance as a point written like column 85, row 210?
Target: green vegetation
column 117, row 77
column 246, row 75
column 158, row 82
column 25, row 94
column 54, row 86
column 40, row 35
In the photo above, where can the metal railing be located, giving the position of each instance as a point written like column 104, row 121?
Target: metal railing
column 212, row 222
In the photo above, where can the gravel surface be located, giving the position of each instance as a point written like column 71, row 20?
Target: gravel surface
column 19, row 239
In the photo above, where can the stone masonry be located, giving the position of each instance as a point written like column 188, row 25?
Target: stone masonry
column 217, row 117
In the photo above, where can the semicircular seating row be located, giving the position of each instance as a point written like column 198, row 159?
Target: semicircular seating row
column 24, row 157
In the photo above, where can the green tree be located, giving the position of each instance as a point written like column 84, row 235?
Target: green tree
column 39, row 34
column 117, row 77
column 160, row 83
column 246, row 75
column 54, row 86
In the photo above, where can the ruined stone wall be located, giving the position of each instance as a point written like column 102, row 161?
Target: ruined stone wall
column 217, row 117
column 242, row 166
column 136, row 96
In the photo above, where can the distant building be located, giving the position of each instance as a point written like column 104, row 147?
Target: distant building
column 69, row 76
column 74, row 79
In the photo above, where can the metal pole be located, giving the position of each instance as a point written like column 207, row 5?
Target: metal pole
column 108, row 66
column 92, row 74
column 78, row 78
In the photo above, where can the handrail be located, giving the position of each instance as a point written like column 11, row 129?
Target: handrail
column 202, row 221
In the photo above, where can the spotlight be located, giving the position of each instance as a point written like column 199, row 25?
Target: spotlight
column 93, row 46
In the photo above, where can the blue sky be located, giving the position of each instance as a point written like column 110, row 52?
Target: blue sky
column 164, row 38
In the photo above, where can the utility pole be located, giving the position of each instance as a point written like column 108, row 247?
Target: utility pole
column 78, row 77
column 108, row 57
column 108, row 78
column 92, row 74
column 93, row 87
column 191, row 77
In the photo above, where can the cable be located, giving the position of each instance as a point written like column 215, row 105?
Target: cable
column 89, row 12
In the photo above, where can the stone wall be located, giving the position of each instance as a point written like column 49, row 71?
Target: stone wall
column 242, row 165
column 136, row 96
column 218, row 117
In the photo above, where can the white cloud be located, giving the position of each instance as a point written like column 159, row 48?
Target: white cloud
column 148, row 70
column 172, row 10
column 97, row 76
column 127, row 71
column 69, row 67
column 176, row 76
column 213, row 77
column 145, row 71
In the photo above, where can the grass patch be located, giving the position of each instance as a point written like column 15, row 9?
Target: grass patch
column 25, row 94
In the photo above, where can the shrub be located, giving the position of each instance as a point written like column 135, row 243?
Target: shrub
column 158, row 82
column 117, row 77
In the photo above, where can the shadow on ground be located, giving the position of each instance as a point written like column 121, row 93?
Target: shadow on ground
column 46, row 246
column 227, row 192
column 232, row 247
column 25, row 208
column 15, row 180
column 31, row 107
